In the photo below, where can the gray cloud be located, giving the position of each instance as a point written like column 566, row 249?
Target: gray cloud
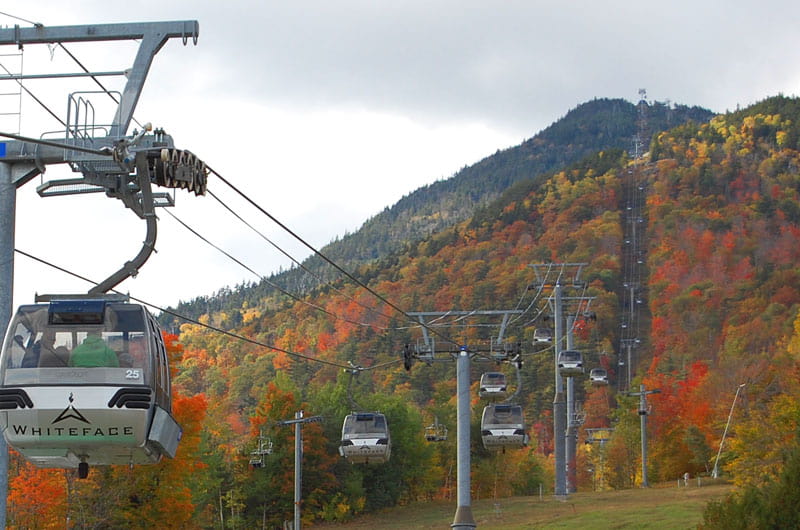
column 509, row 64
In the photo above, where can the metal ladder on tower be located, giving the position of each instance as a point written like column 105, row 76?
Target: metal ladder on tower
column 11, row 92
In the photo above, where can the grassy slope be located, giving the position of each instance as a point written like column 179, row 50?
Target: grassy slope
column 665, row 506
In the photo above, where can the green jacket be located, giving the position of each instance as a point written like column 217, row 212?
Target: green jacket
column 93, row 351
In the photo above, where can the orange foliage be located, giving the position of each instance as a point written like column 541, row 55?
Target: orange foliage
column 172, row 506
column 174, row 352
column 281, row 361
column 37, row 498
column 325, row 341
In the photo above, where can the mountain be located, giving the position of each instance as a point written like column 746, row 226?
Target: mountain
column 597, row 125
column 594, row 126
column 720, row 234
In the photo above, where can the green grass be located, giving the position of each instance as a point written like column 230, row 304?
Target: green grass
column 660, row 507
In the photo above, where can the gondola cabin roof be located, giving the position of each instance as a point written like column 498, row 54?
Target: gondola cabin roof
column 365, row 422
column 502, row 414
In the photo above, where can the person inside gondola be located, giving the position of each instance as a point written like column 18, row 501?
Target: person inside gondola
column 31, row 357
column 43, row 352
column 138, row 351
column 93, row 352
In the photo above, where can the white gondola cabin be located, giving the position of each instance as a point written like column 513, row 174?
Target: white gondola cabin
column 598, row 376
column 86, row 382
column 543, row 335
column 493, row 385
column 570, row 363
column 503, row 425
column 365, row 438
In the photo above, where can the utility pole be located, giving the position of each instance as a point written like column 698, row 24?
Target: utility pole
column 298, row 422
column 463, row 519
column 643, row 412
column 102, row 160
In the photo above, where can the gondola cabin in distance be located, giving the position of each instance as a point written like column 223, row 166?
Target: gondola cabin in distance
column 493, row 385
column 502, row 426
column 85, row 381
column 365, row 438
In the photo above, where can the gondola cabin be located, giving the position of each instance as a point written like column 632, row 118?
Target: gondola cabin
column 570, row 363
column 86, row 382
column 543, row 335
column 502, row 425
column 365, row 438
column 493, row 385
column 598, row 377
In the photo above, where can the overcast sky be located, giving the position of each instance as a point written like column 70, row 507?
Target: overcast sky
column 326, row 112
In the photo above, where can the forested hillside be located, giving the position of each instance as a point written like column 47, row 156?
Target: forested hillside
column 722, row 286
column 590, row 127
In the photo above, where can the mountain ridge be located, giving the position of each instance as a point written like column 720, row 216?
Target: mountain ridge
column 588, row 128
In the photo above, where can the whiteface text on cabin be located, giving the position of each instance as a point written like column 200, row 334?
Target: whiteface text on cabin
column 28, row 430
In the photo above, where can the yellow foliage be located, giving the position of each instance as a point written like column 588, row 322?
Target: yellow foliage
column 251, row 315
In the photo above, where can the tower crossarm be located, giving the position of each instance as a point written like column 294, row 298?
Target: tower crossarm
column 151, row 36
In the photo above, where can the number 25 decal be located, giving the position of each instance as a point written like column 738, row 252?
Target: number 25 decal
column 132, row 374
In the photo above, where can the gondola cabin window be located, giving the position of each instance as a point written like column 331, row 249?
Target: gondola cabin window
column 49, row 345
column 365, row 424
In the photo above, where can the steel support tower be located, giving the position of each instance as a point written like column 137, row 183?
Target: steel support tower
column 568, row 276
column 426, row 352
column 102, row 160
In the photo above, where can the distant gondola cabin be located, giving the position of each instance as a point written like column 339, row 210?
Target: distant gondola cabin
column 570, row 363
column 365, row 438
column 502, row 426
column 493, row 385
column 543, row 335
column 598, row 376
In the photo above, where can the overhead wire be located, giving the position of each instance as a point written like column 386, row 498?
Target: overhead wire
column 94, row 78
column 300, row 264
column 183, row 317
column 237, row 336
column 275, row 220
column 37, row 24
column 267, row 280
column 327, row 259
column 430, row 326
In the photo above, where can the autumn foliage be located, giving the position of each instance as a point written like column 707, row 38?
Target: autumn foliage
column 721, row 294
